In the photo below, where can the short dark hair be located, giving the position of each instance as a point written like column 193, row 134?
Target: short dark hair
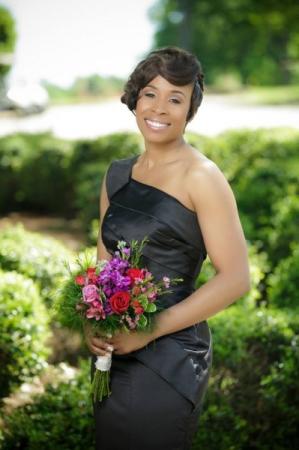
column 176, row 65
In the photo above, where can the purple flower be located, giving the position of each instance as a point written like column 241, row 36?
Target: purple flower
column 126, row 251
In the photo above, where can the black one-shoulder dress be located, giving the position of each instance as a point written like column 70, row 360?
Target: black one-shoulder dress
column 158, row 390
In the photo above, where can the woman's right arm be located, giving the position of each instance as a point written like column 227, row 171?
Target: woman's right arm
column 97, row 345
column 102, row 252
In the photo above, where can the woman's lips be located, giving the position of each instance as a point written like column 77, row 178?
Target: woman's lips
column 156, row 125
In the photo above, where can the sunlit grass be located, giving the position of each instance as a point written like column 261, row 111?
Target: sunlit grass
column 268, row 95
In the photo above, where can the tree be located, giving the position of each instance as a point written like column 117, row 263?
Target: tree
column 7, row 41
column 257, row 39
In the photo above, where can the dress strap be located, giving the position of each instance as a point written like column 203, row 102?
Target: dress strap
column 118, row 174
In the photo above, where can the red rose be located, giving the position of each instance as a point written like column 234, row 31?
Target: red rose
column 135, row 273
column 90, row 270
column 80, row 280
column 120, row 302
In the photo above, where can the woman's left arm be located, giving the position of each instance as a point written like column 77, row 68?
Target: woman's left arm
column 226, row 246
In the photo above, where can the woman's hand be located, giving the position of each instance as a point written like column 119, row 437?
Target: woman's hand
column 126, row 342
column 97, row 345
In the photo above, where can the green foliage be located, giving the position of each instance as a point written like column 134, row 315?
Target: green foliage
column 36, row 257
column 252, row 401
column 24, row 330
column 283, row 283
column 285, row 224
column 14, row 150
column 24, row 156
column 259, row 39
column 60, row 418
column 85, row 89
column 7, row 40
column 52, row 189
column 261, row 167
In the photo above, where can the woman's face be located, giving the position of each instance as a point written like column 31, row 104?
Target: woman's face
column 162, row 109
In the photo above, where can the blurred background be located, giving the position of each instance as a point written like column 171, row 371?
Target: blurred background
column 63, row 64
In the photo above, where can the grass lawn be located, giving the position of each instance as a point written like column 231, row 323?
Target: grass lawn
column 268, row 95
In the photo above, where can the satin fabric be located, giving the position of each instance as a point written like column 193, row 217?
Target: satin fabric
column 168, row 378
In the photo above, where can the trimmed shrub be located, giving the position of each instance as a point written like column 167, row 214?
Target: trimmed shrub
column 13, row 150
column 283, row 284
column 260, row 165
column 24, row 330
column 104, row 150
column 46, row 184
column 37, row 257
column 253, row 398
column 61, row 418
column 259, row 268
column 285, row 224
column 34, row 173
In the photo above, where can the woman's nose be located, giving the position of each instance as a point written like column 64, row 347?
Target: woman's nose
column 159, row 106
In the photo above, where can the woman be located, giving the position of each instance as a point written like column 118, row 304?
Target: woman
column 181, row 200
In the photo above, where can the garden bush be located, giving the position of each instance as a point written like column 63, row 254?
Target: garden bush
column 24, row 331
column 60, row 418
column 259, row 268
column 260, row 165
column 283, row 283
column 46, row 184
column 104, row 150
column 37, row 257
column 253, row 397
column 34, row 173
column 13, row 150
column 285, row 222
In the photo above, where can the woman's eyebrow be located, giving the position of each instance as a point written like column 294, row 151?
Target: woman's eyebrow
column 174, row 91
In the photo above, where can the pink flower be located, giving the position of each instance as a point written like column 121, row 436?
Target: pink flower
column 166, row 282
column 90, row 293
column 97, row 313
column 152, row 296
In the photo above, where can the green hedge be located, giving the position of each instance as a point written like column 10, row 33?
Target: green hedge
column 283, row 284
column 253, row 397
column 259, row 268
column 24, row 330
column 60, row 419
column 37, row 257
column 252, row 401
column 261, row 166
column 34, row 173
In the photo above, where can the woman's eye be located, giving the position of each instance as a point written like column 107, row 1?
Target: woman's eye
column 149, row 94
column 175, row 100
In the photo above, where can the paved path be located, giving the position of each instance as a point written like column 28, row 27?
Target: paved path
column 216, row 114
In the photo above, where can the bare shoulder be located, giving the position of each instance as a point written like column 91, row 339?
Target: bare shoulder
column 206, row 182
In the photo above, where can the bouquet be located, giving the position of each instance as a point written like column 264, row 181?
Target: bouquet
column 111, row 296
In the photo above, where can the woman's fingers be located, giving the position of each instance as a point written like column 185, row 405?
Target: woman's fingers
column 99, row 346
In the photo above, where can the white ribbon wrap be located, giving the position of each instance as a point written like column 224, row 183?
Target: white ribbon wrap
column 103, row 363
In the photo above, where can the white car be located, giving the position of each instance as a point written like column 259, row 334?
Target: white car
column 27, row 98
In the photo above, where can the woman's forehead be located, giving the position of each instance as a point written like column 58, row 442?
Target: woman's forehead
column 159, row 82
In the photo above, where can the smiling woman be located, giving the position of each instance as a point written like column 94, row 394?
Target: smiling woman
column 181, row 201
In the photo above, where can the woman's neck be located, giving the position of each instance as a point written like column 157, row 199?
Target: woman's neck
column 156, row 154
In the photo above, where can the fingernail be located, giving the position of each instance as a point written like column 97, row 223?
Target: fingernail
column 110, row 348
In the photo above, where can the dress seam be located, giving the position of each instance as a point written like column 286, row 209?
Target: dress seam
column 153, row 217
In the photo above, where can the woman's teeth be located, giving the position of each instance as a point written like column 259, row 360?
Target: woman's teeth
column 154, row 124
